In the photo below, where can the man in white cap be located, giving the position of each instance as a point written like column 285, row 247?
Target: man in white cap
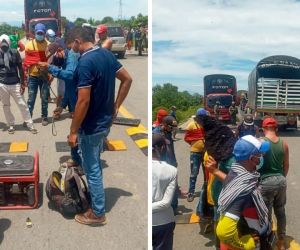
column 11, row 81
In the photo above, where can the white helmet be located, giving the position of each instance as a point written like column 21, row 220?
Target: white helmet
column 50, row 33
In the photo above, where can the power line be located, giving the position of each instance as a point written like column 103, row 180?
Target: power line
column 120, row 10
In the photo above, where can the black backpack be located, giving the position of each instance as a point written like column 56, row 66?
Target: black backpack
column 65, row 191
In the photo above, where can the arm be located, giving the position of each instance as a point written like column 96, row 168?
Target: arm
column 286, row 162
column 64, row 74
column 167, row 199
column 125, row 85
column 68, row 72
column 20, row 68
column 212, row 167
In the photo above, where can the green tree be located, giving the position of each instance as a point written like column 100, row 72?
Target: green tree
column 108, row 20
column 168, row 95
column 79, row 21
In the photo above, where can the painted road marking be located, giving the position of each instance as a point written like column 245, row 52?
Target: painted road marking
column 138, row 134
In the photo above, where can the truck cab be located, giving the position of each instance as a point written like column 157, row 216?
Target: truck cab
column 219, row 88
column 42, row 11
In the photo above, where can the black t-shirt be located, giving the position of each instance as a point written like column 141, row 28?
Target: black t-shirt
column 10, row 76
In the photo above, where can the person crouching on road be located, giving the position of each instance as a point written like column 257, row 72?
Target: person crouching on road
column 164, row 179
column 273, row 177
column 11, row 83
column 194, row 136
column 240, row 199
column 95, row 109
column 35, row 52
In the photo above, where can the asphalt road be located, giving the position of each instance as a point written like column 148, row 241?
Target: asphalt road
column 125, row 181
column 188, row 236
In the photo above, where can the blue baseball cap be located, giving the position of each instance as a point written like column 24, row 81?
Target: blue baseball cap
column 201, row 111
column 248, row 145
column 39, row 27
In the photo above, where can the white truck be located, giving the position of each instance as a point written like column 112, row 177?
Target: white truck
column 274, row 90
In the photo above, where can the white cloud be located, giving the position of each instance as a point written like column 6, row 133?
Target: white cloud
column 217, row 33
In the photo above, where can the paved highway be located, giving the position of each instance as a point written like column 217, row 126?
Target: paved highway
column 187, row 236
column 125, row 181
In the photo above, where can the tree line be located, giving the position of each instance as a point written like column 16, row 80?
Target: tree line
column 132, row 22
column 167, row 95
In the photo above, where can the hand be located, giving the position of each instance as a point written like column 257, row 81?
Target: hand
column 50, row 78
column 43, row 65
column 22, row 89
column 211, row 164
column 72, row 140
column 116, row 111
column 25, row 82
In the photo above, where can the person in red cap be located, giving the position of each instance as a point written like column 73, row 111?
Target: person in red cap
column 104, row 40
column 161, row 113
column 273, row 177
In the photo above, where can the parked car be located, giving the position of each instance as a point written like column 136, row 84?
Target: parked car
column 116, row 33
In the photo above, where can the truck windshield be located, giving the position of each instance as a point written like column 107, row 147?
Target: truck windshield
column 50, row 24
column 225, row 101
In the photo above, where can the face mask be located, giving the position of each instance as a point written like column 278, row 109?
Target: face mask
column 39, row 37
column 51, row 39
column 261, row 163
column 4, row 49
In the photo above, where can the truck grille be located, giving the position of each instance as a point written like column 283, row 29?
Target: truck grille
column 278, row 94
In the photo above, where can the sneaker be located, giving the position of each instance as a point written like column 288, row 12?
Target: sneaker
column 32, row 129
column 89, row 218
column 45, row 121
column 190, row 197
column 11, row 130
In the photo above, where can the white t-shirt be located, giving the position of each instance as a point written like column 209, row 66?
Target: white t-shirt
column 164, row 180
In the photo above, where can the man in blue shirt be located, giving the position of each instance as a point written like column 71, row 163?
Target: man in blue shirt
column 66, row 73
column 95, row 110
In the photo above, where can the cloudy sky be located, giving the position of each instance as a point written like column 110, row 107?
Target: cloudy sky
column 194, row 38
column 12, row 11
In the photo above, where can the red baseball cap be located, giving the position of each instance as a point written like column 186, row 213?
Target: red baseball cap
column 101, row 29
column 269, row 122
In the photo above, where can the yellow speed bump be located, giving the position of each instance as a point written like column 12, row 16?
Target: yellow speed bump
column 116, row 145
column 139, row 134
column 18, row 147
column 187, row 219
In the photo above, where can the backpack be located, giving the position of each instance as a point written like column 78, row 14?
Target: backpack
column 65, row 191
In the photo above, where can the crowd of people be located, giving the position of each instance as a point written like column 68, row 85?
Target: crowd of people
column 244, row 180
column 86, row 74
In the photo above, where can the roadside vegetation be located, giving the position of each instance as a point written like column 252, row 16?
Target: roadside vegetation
column 168, row 95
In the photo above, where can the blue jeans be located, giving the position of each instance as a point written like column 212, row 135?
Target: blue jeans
column 90, row 147
column 195, row 159
column 70, row 96
column 75, row 155
column 273, row 190
column 34, row 84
